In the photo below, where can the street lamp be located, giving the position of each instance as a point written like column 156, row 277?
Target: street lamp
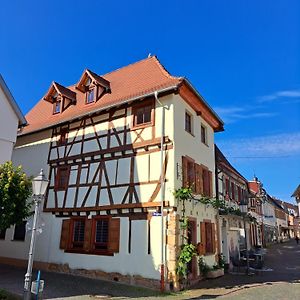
column 39, row 187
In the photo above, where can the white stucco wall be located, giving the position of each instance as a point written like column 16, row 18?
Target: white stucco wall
column 8, row 128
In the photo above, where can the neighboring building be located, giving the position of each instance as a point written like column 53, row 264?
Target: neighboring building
column 285, row 222
column 11, row 118
column 296, row 194
column 100, row 143
column 231, row 187
column 262, row 208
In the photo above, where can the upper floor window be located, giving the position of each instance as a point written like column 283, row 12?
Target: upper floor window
column 143, row 114
column 203, row 134
column 56, row 107
column 188, row 122
column 90, row 96
column 62, row 178
column 63, row 136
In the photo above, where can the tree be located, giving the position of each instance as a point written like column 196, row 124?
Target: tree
column 15, row 189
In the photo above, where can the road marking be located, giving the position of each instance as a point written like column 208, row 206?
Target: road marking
column 279, row 251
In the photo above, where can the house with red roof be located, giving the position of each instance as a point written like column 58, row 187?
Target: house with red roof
column 115, row 147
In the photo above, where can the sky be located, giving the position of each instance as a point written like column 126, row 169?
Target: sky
column 242, row 56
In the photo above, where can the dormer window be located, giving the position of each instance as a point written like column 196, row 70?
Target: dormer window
column 60, row 97
column 90, row 95
column 93, row 86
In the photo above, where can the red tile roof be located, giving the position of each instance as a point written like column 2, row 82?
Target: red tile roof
column 130, row 82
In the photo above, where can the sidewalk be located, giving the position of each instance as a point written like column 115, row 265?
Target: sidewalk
column 283, row 259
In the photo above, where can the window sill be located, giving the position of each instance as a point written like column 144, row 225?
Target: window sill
column 190, row 133
column 144, row 125
column 81, row 251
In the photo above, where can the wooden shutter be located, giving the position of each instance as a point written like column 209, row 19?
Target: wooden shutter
column 213, row 233
column 205, row 182
column 114, row 235
column 87, row 235
column 210, row 180
column 184, row 172
column 197, row 179
column 202, row 239
column 65, row 234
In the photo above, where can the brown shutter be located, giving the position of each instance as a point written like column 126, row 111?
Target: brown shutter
column 114, row 235
column 213, row 233
column 210, row 183
column 65, row 233
column 87, row 235
column 203, row 239
column 197, row 179
column 184, row 172
column 205, row 182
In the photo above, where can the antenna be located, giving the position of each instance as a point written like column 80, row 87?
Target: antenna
column 149, row 55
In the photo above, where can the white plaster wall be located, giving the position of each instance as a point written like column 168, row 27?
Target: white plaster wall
column 8, row 128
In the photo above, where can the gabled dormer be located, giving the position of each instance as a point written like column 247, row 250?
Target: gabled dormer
column 60, row 97
column 93, row 85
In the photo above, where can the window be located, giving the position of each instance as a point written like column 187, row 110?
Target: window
column 208, row 241
column 90, row 96
column 56, row 107
column 78, row 233
column 203, row 135
column 63, row 136
column 142, row 114
column 191, row 175
column 20, row 230
column 232, row 191
column 2, row 234
column 188, row 122
column 101, row 234
column 227, row 190
column 62, row 178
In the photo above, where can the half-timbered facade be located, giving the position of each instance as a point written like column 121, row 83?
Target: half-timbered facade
column 115, row 148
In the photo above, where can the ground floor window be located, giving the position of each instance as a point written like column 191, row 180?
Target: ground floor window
column 20, row 231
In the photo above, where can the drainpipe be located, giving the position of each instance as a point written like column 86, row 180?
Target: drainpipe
column 162, row 194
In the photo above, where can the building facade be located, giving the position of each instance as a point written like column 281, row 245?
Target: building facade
column 115, row 148
column 233, row 189
column 11, row 118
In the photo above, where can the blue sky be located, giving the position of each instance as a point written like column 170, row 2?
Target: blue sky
column 242, row 56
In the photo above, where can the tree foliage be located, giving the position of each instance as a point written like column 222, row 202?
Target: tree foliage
column 15, row 189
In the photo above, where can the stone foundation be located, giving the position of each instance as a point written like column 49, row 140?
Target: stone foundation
column 135, row 280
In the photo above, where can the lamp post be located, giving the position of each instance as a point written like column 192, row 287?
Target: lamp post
column 262, row 195
column 39, row 186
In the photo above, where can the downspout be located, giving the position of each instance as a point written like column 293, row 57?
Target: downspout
column 162, row 194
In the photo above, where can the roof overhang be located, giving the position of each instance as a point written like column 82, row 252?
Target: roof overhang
column 12, row 102
column 198, row 103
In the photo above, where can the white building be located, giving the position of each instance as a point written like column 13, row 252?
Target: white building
column 11, row 118
column 99, row 141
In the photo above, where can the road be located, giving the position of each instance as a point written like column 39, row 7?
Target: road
column 281, row 281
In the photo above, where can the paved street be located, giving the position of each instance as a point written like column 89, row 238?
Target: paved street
column 281, row 281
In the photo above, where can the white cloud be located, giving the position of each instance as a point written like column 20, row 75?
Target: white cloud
column 280, row 145
column 291, row 94
column 235, row 113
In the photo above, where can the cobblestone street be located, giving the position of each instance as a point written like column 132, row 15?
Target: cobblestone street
column 280, row 281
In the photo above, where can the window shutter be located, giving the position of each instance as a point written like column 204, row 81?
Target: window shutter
column 213, row 233
column 197, row 179
column 114, row 235
column 87, row 235
column 210, row 180
column 203, row 239
column 206, row 184
column 65, row 232
column 184, row 172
